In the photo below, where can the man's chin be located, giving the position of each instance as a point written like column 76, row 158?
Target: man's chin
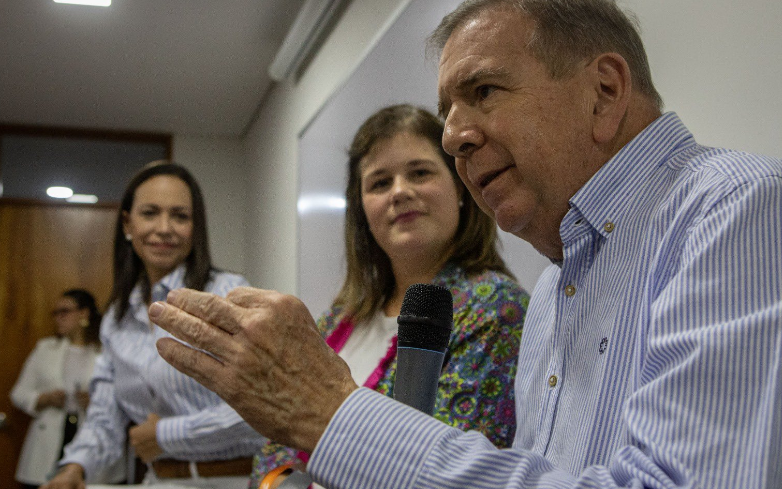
column 511, row 221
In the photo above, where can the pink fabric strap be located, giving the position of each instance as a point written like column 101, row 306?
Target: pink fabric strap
column 337, row 339
column 382, row 367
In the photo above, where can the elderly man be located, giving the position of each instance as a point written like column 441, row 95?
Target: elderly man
column 652, row 350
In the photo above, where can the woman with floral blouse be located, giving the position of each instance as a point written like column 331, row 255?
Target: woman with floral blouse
column 409, row 219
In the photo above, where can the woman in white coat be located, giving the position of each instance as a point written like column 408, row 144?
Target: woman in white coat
column 52, row 387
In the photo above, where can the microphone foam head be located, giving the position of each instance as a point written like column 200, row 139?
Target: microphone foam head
column 426, row 318
column 429, row 301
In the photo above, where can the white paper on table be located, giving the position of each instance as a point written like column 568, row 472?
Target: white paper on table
column 154, row 485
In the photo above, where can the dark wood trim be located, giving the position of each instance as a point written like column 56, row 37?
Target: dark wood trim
column 56, row 203
column 83, row 133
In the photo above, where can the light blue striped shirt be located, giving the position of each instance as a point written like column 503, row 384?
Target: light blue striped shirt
column 131, row 381
column 651, row 355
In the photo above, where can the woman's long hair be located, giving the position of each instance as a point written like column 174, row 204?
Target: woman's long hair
column 85, row 300
column 128, row 268
column 370, row 279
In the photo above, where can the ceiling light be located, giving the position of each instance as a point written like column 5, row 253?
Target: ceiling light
column 94, row 3
column 59, row 192
column 82, row 199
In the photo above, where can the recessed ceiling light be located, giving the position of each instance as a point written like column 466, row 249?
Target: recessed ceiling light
column 59, row 192
column 94, row 3
column 82, row 199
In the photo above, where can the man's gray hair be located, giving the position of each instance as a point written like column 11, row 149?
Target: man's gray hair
column 566, row 33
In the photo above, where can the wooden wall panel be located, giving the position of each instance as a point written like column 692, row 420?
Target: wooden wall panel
column 44, row 250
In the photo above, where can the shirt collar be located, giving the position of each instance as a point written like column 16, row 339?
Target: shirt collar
column 174, row 280
column 607, row 196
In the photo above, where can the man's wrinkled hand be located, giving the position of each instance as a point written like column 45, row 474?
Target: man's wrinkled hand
column 261, row 352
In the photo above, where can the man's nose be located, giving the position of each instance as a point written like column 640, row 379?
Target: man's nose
column 462, row 135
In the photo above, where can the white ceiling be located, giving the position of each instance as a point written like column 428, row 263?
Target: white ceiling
column 195, row 67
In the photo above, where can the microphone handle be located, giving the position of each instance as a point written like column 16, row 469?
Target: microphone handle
column 417, row 377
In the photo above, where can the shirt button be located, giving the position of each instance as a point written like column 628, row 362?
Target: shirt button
column 570, row 290
column 608, row 226
column 552, row 381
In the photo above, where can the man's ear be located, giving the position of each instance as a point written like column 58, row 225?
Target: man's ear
column 613, row 87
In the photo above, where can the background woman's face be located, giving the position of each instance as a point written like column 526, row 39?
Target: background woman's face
column 67, row 316
column 409, row 197
column 160, row 224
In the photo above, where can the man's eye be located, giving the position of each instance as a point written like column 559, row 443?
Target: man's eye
column 485, row 90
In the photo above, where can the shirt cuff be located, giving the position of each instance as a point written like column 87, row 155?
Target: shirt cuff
column 170, row 434
column 374, row 441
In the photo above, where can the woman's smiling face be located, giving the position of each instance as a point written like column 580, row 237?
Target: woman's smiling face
column 160, row 224
column 409, row 197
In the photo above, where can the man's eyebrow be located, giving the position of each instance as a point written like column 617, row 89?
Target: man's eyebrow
column 464, row 83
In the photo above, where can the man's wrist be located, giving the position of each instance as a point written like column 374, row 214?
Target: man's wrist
column 311, row 436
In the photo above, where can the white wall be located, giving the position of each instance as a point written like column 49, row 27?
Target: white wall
column 718, row 64
column 271, row 143
column 218, row 165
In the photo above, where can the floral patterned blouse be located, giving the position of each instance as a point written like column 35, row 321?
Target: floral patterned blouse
column 476, row 386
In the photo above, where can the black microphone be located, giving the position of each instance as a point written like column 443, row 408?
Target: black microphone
column 425, row 324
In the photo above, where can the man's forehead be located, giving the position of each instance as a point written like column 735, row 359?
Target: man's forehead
column 492, row 32
column 482, row 48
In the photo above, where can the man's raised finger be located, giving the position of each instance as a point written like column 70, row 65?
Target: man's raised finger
column 196, row 364
column 250, row 297
column 212, row 308
column 192, row 330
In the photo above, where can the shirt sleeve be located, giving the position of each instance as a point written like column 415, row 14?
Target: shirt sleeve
column 705, row 411
column 216, row 429
column 26, row 390
column 101, row 440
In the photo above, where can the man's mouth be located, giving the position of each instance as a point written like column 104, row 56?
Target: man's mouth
column 488, row 178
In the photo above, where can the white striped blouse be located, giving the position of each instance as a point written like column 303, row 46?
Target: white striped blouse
column 131, row 380
column 651, row 356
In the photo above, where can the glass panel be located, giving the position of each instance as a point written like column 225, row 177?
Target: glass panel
column 29, row 164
